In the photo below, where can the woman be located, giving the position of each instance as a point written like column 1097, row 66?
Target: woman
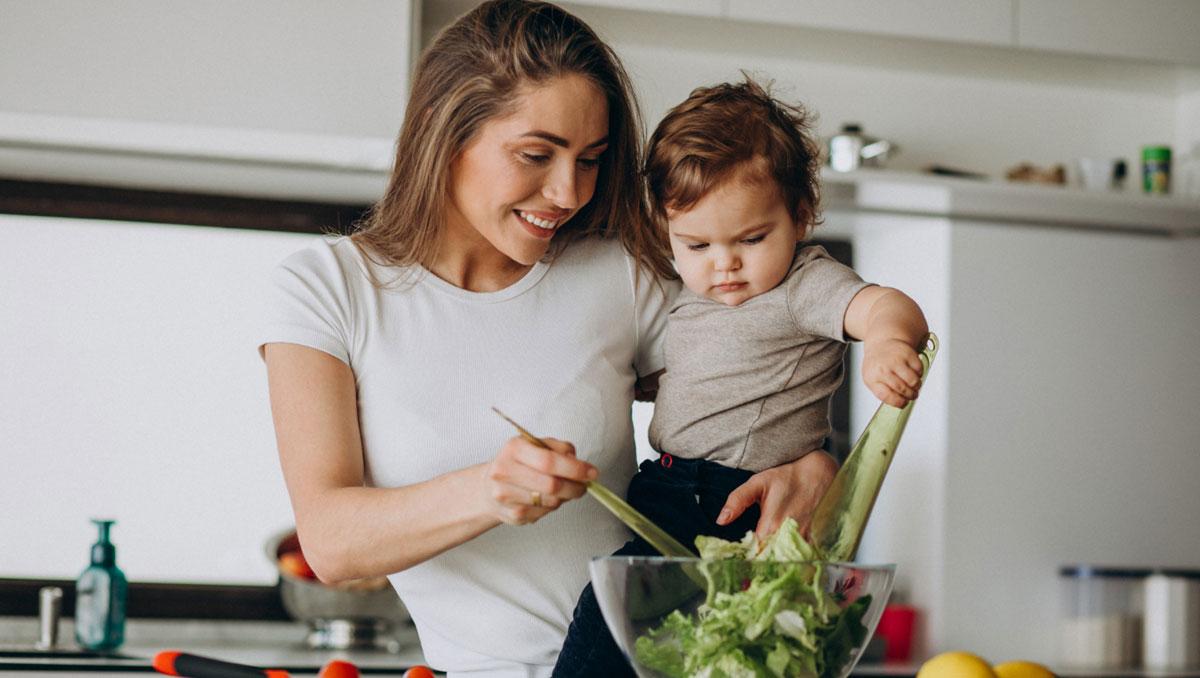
column 508, row 264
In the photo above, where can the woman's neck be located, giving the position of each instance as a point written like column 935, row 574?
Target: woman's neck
column 470, row 262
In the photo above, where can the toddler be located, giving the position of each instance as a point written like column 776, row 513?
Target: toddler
column 755, row 341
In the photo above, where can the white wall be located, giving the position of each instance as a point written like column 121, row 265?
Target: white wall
column 132, row 390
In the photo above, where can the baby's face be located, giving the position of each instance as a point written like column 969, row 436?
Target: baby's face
column 737, row 242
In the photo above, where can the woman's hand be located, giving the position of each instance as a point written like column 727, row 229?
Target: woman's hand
column 792, row 489
column 892, row 370
column 525, row 482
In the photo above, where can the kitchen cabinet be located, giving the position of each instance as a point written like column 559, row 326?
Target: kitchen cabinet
column 980, row 21
column 1058, row 425
column 1163, row 30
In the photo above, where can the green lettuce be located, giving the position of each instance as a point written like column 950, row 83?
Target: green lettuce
column 770, row 620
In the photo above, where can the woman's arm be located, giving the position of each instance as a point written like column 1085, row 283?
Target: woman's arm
column 350, row 531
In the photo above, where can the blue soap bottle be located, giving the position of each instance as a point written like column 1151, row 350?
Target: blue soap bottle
column 100, row 597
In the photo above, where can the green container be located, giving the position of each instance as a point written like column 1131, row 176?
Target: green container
column 1156, row 169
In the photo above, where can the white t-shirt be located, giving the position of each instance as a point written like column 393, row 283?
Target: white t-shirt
column 559, row 351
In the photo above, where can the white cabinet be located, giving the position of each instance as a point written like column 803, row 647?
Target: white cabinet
column 977, row 21
column 1161, row 30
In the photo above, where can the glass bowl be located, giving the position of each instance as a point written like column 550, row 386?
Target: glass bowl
column 675, row 617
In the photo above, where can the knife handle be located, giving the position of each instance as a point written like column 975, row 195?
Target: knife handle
column 175, row 663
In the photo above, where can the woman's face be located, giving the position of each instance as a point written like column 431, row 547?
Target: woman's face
column 524, row 175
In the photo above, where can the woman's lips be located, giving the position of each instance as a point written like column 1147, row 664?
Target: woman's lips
column 535, row 231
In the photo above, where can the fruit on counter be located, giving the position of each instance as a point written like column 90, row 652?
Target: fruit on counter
column 1022, row 669
column 419, row 672
column 293, row 563
column 338, row 669
column 956, row 665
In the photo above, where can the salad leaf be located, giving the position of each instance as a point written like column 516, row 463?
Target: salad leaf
column 766, row 614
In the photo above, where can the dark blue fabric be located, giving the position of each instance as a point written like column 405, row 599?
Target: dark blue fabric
column 682, row 496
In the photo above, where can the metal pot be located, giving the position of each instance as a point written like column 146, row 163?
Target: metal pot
column 355, row 615
column 851, row 149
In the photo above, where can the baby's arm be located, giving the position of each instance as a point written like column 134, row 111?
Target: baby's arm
column 891, row 327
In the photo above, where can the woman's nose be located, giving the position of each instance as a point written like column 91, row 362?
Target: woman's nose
column 562, row 187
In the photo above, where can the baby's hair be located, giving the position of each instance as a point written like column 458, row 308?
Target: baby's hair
column 700, row 143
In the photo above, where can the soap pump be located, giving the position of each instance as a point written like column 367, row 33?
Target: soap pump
column 100, row 597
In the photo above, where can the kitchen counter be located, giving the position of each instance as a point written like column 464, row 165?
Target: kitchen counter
column 264, row 644
column 910, row 671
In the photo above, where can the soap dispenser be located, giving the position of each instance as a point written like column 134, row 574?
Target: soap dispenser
column 100, row 597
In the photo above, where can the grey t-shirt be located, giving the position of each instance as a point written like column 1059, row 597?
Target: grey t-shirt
column 748, row 386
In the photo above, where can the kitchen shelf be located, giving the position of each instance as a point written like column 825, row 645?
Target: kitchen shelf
column 874, row 190
column 266, row 164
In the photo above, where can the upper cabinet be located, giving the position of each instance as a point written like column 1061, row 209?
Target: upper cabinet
column 1157, row 30
column 1160, row 30
column 977, row 21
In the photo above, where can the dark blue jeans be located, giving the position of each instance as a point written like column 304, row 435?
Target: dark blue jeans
column 682, row 496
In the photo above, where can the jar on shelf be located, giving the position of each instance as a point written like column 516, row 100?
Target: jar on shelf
column 1101, row 619
column 1171, row 632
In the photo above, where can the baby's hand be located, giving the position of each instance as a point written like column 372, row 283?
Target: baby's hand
column 892, row 370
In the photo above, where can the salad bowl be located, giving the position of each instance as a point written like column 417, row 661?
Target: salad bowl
column 685, row 617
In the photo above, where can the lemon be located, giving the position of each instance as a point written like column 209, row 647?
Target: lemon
column 956, row 665
column 1022, row 670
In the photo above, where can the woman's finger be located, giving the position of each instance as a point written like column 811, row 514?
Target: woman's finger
column 559, row 461
column 746, row 495
column 532, row 480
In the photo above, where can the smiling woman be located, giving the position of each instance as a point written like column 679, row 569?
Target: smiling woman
column 508, row 264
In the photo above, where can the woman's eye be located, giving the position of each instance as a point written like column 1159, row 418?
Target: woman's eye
column 534, row 158
column 589, row 163
column 755, row 240
column 698, row 246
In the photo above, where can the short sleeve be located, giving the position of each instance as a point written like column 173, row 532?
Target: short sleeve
column 820, row 289
column 653, row 297
column 308, row 303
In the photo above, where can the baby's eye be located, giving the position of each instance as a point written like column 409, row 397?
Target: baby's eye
column 755, row 240
column 698, row 246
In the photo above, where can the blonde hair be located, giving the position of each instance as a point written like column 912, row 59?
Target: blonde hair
column 473, row 73
column 703, row 140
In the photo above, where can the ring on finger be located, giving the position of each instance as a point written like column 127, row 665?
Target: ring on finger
column 535, row 499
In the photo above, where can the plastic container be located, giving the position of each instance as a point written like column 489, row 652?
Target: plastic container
column 1156, row 169
column 1101, row 619
column 896, row 627
column 1171, row 633
column 100, row 595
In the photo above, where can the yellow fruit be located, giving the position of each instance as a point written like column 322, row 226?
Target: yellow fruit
column 956, row 665
column 1022, row 670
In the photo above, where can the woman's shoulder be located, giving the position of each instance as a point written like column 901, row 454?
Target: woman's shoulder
column 337, row 258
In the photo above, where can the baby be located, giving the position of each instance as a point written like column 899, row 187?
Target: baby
column 756, row 339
